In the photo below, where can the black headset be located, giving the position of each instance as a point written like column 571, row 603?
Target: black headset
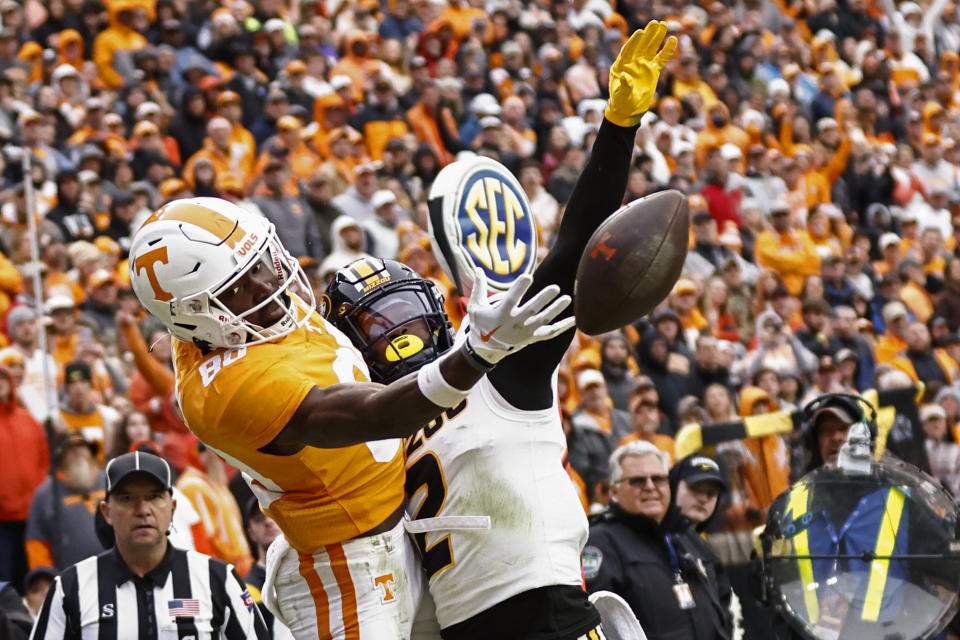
column 854, row 403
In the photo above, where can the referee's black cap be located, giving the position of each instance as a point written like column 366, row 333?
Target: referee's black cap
column 137, row 462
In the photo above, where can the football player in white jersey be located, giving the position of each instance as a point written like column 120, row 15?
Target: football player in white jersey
column 496, row 519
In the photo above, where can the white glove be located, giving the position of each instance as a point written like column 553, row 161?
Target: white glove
column 506, row 326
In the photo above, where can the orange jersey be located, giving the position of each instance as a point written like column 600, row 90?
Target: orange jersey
column 238, row 400
column 220, row 516
column 92, row 426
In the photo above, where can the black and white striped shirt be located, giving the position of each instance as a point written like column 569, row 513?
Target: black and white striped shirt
column 188, row 596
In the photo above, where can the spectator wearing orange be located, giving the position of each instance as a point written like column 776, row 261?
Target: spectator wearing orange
column 147, row 139
column 381, row 119
column 892, row 342
column 243, row 148
column 330, row 113
column 931, row 250
column 683, row 300
column 791, row 254
column 152, row 384
column 521, row 138
column 890, row 254
column 719, row 131
column 71, row 49
column 81, row 414
column 767, row 469
column 110, row 258
column 818, row 230
column 356, row 63
column 913, row 292
column 24, row 462
column 645, row 417
column 151, row 111
column 340, row 165
column 216, row 149
column 921, row 361
column 424, row 117
column 302, row 159
column 29, row 56
column 117, row 43
column 715, row 307
column 834, row 141
column 688, row 79
column 64, row 335
column 757, row 471
column 934, row 116
column 11, row 283
column 206, row 485
column 811, row 184
column 462, row 17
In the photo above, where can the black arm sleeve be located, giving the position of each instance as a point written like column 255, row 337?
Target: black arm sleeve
column 523, row 379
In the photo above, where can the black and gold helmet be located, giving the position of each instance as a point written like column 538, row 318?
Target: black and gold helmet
column 391, row 314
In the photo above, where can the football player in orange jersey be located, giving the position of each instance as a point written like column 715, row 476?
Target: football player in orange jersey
column 281, row 394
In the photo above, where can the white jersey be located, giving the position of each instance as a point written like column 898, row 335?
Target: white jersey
column 481, row 462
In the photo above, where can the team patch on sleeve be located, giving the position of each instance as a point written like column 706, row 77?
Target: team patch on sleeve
column 590, row 559
column 248, row 599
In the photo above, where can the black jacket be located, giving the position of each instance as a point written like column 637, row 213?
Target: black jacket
column 589, row 448
column 628, row 554
column 670, row 385
column 189, row 131
column 15, row 620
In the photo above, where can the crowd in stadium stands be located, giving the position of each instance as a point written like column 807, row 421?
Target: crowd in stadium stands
column 817, row 140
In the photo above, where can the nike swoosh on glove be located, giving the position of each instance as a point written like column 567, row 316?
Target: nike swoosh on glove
column 505, row 326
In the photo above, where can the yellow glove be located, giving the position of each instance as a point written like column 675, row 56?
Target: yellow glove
column 635, row 72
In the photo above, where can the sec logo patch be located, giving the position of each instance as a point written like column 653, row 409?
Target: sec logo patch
column 481, row 218
column 496, row 228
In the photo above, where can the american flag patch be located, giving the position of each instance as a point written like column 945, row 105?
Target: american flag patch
column 248, row 599
column 188, row 607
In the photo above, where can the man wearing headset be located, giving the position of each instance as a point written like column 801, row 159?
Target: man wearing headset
column 854, row 546
column 828, row 429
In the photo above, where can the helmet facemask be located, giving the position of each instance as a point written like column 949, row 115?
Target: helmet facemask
column 398, row 327
column 236, row 329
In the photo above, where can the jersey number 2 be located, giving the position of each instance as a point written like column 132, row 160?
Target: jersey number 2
column 426, row 472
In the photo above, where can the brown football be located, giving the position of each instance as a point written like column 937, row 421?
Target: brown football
column 631, row 262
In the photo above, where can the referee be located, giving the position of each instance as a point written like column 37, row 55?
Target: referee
column 144, row 588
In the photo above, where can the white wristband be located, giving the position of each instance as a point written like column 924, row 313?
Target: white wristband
column 437, row 390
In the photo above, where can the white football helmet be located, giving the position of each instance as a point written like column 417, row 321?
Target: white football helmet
column 192, row 250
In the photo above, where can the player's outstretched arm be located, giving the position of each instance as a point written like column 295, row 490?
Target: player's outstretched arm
column 599, row 190
column 525, row 379
column 346, row 414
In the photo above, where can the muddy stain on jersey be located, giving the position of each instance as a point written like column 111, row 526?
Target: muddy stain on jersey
column 491, row 496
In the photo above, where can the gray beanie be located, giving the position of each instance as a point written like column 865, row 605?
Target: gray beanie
column 17, row 315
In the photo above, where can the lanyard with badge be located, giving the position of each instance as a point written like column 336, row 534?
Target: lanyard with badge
column 680, row 588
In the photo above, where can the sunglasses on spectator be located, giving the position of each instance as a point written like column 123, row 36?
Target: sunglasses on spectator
column 646, row 404
column 638, row 482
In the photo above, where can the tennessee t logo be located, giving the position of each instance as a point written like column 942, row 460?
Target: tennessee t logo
column 384, row 582
column 603, row 248
column 486, row 336
column 147, row 261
